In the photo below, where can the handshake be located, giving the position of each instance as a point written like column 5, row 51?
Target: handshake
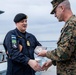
column 34, row 64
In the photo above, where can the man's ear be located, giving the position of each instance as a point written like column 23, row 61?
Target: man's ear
column 62, row 8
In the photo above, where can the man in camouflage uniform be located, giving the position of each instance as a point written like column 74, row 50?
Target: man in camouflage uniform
column 64, row 56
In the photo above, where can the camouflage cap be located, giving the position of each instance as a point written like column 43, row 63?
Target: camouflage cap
column 55, row 3
column 1, row 12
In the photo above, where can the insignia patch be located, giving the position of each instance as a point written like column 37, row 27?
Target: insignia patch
column 28, row 43
column 14, row 42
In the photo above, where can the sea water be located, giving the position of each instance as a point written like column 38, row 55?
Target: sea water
column 49, row 44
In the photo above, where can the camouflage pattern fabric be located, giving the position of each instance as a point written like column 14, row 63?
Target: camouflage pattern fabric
column 55, row 3
column 65, row 54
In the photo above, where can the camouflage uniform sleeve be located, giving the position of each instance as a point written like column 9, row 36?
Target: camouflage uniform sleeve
column 66, row 45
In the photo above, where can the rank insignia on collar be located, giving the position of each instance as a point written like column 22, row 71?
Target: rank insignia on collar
column 19, row 36
column 28, row 43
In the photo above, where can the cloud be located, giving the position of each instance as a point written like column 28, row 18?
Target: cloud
column 43, row 25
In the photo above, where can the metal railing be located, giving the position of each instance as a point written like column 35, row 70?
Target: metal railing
column 3, row 57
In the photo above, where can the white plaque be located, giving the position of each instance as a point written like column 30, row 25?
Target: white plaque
column 39, row 49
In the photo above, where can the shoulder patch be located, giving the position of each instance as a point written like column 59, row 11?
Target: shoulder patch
column 14, row 41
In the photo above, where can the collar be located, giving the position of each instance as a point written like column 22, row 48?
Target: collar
column 27, row 35
column 66, row 24
column 70, row 18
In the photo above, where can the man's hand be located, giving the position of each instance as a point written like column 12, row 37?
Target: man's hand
column 46, row 65
column 34, row 65
column 42, row 53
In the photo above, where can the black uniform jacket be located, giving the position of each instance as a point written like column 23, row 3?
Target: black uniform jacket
column 19, row 48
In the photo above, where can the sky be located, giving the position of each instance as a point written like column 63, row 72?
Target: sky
column 40, row 22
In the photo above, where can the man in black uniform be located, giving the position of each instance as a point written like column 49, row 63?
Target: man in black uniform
column 19, row 46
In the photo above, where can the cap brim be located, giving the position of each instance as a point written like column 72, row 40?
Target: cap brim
column 53, row 10
column 1, row 12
